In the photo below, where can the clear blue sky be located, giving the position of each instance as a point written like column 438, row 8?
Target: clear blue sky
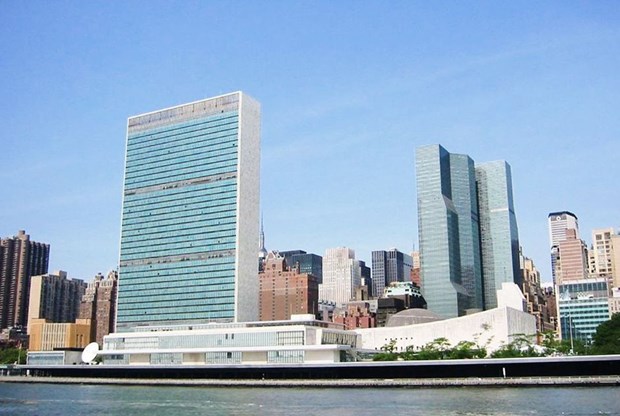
column 348, row 90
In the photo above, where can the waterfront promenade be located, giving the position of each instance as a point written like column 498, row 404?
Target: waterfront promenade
column 342, row 383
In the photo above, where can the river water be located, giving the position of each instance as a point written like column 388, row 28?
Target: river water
column 52, row 399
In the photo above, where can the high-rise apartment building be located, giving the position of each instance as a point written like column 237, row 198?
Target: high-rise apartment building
column 601, row 256
column 20, row 259
column 55, row 298
column 190, row 219
column 99, row 305
column 341, row 276
column 389, row 266
column 467, row 227
column 286, row 291
column 499, row 237
column 559, row 224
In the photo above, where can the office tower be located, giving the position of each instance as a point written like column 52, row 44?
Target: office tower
column 341, row 276
column 20, row 259
column 286, row 291
column 601, row 256
column 365, row 280
column 190, row 219
column 499, row 239
column 582, row 305
column 389, row 266
column 55, row 298
column 308, row 262
column 572, row 258
column 450, row 270
column 99, row 305
column 559, row 224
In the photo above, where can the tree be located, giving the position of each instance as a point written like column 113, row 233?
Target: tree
column 12, row 356
column 607, row 337
column 389, row 352
column 521, row 346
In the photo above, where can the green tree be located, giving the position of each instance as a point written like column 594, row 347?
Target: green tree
column 521, row 346
column 12, row 356
column 606, row 339
column 389, row 352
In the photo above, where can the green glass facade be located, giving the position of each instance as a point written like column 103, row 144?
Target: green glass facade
column 180, row 222
column 498, row 225
column 467, row 231
column 438, row 228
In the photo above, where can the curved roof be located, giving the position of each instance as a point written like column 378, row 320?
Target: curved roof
column 413, row 316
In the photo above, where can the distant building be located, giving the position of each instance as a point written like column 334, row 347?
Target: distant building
column 285, row 291
column 614, row 301
column 389, row 266
column 99, row 305
column 356, row 315
column 190, row 220
column 55, row 298
column 601, row 256
column 535, row 296
column 415, row 270
column 308, row 262
column 559, row 224
column 341, row 276
column 366, row 278
column 20, row 259
column 47, row 336
column 572, row 259
column 582, row 306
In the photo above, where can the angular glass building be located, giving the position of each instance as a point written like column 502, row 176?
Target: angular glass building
column 499, row 237
column 190, row 219
column 438, row 228
column 467, row 231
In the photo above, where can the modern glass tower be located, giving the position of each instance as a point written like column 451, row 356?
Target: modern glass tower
column 499, row 236
column 190, row 219
column 467, row 230
column 438, row 228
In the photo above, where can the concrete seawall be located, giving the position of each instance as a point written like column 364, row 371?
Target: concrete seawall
column 349, row 383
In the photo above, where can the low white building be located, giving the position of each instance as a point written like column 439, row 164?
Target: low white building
column 300, row 340
column 491, row 329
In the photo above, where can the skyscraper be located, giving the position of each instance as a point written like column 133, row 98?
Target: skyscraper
column 441, row 273
column 499, row 237
column 559, row 224
column 387, row 267
column 20, row 259
column 467, row 231
column 341, row 275
column 190, row 219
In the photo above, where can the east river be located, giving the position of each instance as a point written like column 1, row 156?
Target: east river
column 56, row 399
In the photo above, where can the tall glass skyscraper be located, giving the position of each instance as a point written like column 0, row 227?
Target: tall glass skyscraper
column 438, row 228
column 467, row 230
column 190, row 220
column 499, row 236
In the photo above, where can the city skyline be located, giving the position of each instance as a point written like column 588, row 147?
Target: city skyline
column 344, row 107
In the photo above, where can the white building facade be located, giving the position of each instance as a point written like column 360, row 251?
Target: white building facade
column 341, row 276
